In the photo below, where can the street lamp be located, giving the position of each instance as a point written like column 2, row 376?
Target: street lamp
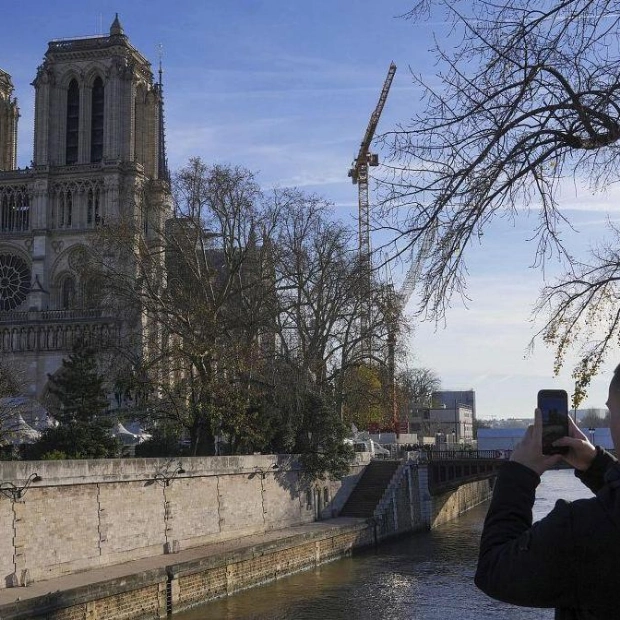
column 591, row 431
column 15, row 492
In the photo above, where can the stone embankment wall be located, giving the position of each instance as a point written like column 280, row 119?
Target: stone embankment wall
column 157, row 593
column 408, row 504
column 88, row 514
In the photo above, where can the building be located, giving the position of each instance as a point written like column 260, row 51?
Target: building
column 449, row 399
column 450, row 426
column 99, row 154
column 449, row 419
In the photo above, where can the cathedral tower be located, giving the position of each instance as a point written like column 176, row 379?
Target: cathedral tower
column 9, row 113
column 99, row 154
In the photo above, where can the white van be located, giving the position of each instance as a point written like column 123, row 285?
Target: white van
column 368, row 445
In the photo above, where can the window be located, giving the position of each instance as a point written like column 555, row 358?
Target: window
column 93, row 215
column 65, row 209
column 14, row 281
column 73, row 122
column 96, row 122
column 67, row 294
column 14, row 209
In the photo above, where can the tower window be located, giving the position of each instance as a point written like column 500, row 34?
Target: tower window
column 93, row 215
column 14, row 209
column 73, row 122
column 96, row 124
column 65, row 210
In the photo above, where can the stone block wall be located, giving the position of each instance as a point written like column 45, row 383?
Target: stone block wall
column 86, row 514
column 408, row 505
column 450, row 504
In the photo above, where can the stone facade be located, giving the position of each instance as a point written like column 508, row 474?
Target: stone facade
column 98, row 155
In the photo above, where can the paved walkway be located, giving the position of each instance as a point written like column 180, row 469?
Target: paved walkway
column 69, row 582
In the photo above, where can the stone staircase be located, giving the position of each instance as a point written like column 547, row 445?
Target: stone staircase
column 370, row 489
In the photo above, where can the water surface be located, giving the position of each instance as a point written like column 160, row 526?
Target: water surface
column 426, row 576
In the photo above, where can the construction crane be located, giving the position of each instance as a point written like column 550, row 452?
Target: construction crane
column 359, row 175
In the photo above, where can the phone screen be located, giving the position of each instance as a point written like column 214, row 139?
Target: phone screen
column 553, row 405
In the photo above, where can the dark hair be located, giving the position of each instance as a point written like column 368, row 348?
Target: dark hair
column 615, row 380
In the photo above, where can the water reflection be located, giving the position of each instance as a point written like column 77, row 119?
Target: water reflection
column 427, row 576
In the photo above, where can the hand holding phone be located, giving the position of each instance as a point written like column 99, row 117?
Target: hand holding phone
column 553, row 406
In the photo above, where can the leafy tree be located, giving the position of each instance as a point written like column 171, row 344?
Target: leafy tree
column 81, row 405
column 364, row 403
column 527, row 100
column 78, row 387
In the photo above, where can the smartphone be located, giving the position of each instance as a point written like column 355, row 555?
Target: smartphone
column 553, row 405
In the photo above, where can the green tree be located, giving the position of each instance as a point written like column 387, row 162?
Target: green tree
column 364, row 404
column 80, row 409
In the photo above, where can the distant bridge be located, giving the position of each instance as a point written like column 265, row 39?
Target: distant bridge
column 449, row 469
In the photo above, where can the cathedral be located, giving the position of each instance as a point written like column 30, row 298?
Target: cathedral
column 99, row 154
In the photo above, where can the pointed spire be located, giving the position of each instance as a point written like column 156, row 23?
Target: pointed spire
column 116, row 27
column 164, row 173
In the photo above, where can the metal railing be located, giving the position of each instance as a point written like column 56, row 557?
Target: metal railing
column 459, row 455
column 48, row 316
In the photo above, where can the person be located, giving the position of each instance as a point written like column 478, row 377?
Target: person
column 570, row 559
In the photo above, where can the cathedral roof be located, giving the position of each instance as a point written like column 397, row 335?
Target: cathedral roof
column 72, row 49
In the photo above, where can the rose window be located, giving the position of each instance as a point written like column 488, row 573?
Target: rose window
column 14, row 281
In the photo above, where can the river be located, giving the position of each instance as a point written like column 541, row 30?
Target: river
column 426, row 576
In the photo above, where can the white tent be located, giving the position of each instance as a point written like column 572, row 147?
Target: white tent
column 18, row 431
column 126, row 437
column 32, row 411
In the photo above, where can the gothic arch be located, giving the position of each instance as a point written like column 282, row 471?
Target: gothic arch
column 77, row 203
column 66, row 289
column 94, row 72
column 69, row 75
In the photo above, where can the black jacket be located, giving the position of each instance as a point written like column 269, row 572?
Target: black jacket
column 569, row 560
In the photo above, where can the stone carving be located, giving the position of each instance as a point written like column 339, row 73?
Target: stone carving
column 77, row 258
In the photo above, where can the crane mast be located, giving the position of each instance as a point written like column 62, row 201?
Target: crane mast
column 359, row 175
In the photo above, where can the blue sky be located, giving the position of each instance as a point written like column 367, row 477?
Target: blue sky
column 286, row 89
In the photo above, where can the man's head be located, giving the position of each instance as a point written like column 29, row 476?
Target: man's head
column 613, row 404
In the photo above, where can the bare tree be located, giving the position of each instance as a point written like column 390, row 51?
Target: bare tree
column 321, row 307
column 418, row 385
column 13, row 407
column 595, row 418
column 582, row 312
column 528, row 98
column 192, row 291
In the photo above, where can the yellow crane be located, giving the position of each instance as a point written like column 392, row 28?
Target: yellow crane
column 359, row 175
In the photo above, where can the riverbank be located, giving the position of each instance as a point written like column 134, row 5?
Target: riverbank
column 233, row 559
column 153, row 587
